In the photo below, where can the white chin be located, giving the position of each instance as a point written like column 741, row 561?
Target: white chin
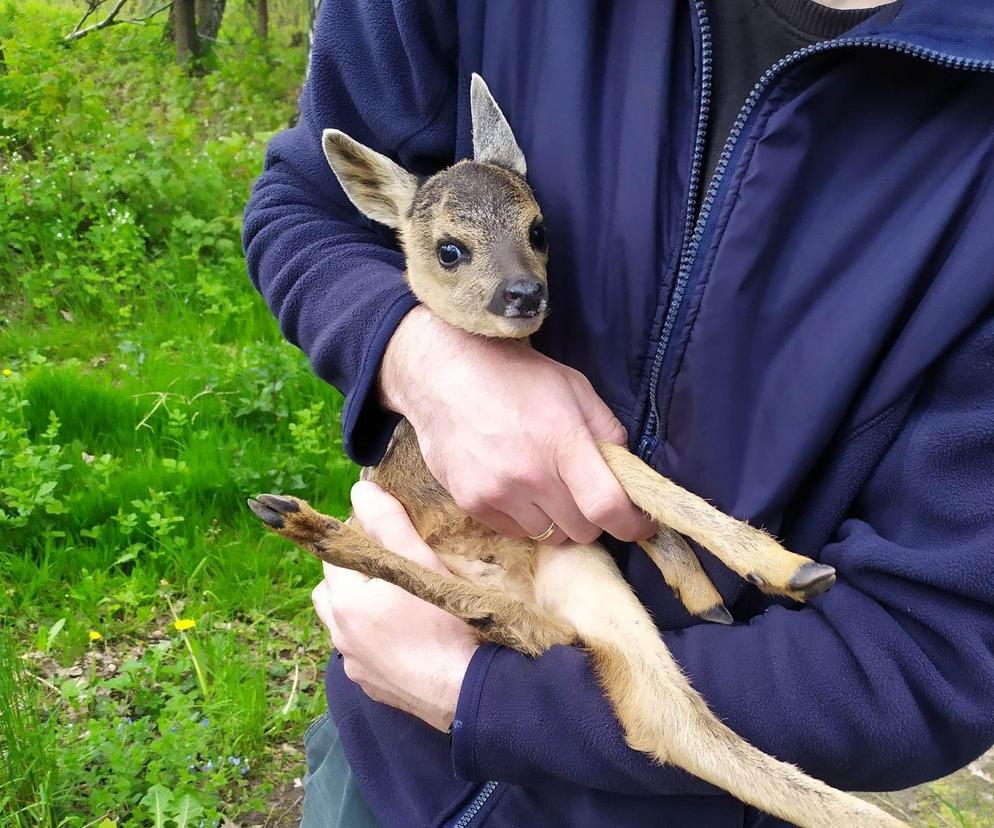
column 518, row 327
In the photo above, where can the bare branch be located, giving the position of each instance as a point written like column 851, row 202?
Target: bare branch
column 140, row 21
column 103, row 24
column 112, row 19
column 91, row 6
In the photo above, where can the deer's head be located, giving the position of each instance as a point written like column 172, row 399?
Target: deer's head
column 472, row 234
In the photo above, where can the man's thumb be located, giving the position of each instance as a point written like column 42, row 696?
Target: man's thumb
column 384, row 520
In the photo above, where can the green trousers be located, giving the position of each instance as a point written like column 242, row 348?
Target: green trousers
column 331, row 798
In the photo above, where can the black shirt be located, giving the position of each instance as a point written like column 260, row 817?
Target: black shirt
column 747, row 38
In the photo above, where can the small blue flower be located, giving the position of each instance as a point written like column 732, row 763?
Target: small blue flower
column 205, row 722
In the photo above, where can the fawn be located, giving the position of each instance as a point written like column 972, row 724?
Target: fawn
column 476, row 256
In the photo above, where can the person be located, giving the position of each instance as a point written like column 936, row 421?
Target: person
column 771, row 276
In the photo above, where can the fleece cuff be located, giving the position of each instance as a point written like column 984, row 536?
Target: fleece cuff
column 366, row 425
column 467, row 711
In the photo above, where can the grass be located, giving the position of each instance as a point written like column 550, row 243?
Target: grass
column 145, row 391
column 28, row 778
column 964, row 799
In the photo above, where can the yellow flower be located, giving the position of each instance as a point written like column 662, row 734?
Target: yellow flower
column 184, row 624
column 7, row 372
column 95, row 636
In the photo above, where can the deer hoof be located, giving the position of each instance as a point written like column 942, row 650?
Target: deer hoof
column 270, row 508
column 717, row 614
column 812, row 579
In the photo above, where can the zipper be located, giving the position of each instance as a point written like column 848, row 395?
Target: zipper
column 692, row 243
column 648, row 441
column 476, row 805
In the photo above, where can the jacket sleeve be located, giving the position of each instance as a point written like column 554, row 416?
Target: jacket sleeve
column 882, row 683
column 384, row 73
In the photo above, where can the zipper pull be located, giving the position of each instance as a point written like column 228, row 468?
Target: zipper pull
column 647, row 445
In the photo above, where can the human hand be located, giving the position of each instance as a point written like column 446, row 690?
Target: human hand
column 399, row 649
column 508, row 432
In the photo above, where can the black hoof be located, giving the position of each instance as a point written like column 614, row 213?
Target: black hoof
column 271, row 508
column 265, row 514
column 717, row 615
column 278, row 503
column 812, row 579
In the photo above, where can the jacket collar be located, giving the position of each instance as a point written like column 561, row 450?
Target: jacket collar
column 961, row 30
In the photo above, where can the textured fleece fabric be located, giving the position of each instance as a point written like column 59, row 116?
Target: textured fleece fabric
column 817, row 357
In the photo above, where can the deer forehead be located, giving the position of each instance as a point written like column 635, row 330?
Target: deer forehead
column 481, row 202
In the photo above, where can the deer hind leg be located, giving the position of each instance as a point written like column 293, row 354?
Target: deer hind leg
column 659, row 711
column 494, row 615
column 744, row 549
column 684, row 574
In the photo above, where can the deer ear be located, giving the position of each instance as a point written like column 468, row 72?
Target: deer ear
column 493, row 141
column 379, row 188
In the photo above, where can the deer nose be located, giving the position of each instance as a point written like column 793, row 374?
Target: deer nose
column 523, row 296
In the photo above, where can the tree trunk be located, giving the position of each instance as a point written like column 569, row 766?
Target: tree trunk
column 169, row 30
column 209, row 16
column 313, row 6
column 185, row 28
column 312, row 15
column 262, row 19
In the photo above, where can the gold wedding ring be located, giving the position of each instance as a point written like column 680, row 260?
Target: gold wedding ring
column 548, row 533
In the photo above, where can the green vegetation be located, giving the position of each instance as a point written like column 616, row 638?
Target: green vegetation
column 144, row 393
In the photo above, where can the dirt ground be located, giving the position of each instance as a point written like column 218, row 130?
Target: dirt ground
column 285, row 810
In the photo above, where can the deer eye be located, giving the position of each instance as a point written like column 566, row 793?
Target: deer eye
column 450, row 254
column 536, row 235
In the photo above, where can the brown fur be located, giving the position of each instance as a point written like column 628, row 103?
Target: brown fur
column 517, row 592
column 683, row 573
column 748, row 551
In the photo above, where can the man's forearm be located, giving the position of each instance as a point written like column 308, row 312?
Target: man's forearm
column 404, row 357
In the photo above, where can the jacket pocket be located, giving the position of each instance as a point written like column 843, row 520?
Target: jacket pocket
column 315, row 726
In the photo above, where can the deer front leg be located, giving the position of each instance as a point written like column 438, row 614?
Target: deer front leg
column 495, row 616
column 744, row 549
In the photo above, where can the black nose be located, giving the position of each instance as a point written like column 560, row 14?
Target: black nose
column 519, row 297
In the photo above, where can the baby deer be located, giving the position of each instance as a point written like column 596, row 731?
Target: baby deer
column 476, row 256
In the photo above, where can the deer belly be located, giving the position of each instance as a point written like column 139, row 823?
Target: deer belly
column 496, row 562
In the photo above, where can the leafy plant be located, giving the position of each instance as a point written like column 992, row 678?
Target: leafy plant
column 145, row 391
